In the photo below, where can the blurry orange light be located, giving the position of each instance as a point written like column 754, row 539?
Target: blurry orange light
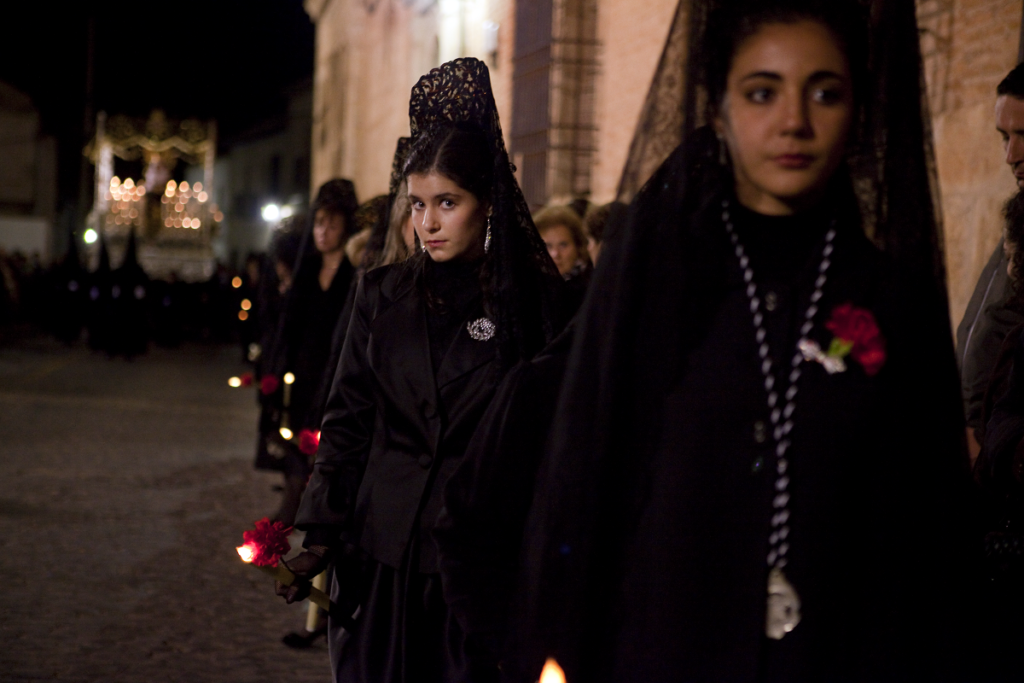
column 115, row 181
column 246, row 304
column 129, row 183
column 552, row 673
column 198, row 187
column 184, row 186
column 246, row 552
column 242, row 315
column 236, row 282
column 196, row 223
column 169, row 223
column 203, row 196
column 234, row 382
column 218, row 216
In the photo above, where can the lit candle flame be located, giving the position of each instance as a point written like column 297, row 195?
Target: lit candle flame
column 552, row 673
column 235, row 382
column 247, row 552
column 289, row 378
column 286, row 433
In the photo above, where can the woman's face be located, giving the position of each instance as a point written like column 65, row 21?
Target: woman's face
column 786, row 115
column 448, row 219
column 561, row 247
column 328, row 231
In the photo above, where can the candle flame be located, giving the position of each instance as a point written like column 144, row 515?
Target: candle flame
column 552, row 673
column 286, row 433
column 247, row 552
column 289, row 378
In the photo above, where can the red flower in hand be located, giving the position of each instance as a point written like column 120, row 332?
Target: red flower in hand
column 309, row 441
column 269, row 385
column 269, row 541
column 246, row 379
column 858, row 334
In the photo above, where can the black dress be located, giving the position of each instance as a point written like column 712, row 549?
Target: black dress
column 646, row 550
column 480, row 530
column 411, row 386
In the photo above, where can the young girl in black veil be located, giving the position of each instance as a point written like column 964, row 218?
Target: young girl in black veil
column 430, row 339
column 757, row 469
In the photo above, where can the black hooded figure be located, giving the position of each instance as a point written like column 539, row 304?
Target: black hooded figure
column 129, row 316
column 757, row 470
column 69, row 294
column 302, row 345
column 99, row 319
column 430, row 339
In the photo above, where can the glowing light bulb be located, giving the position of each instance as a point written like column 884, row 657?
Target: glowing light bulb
column 243, row 316
column 246, row 552
column 198, row 187
column 236, row 282
column 184, row 186
column 271, row 213
column 115, row 181
column 289, row 378
column 235, row 382
column 552, row 673
column 129, row 183
column 286, row 433
column 203, row 196
column 90, row 236
column 246, row 304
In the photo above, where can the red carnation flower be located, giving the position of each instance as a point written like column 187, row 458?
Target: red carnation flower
column 857, row 327
column 269, row 541
column 309, row 441
column 246, row 379
column 269, row 385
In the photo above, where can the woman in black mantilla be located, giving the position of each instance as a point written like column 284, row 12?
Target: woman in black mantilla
column 758, row 470
column 320, row 282
column 429, row 340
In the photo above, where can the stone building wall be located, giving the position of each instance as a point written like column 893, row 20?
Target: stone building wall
column 632, row 36
column 369, row 54
column 968, row 47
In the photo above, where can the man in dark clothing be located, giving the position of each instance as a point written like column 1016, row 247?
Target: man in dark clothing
column 989, row 315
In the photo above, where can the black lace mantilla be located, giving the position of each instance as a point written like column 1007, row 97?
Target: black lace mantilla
column 525, row 286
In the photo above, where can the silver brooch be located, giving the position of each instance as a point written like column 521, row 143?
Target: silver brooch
column 481, row 329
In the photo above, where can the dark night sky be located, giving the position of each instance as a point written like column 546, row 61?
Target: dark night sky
column 223, row 59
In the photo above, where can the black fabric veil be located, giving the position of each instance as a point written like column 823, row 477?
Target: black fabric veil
column 648, row 300
column 525, row 286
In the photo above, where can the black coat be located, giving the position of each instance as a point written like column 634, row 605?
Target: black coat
column 988, row 318
column 392, row 432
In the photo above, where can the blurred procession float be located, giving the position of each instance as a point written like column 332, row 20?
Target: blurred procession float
column 166, row 204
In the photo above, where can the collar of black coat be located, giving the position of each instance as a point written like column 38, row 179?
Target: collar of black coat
column 399, row 330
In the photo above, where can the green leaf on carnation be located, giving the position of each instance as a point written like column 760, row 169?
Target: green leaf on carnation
column 840, row 348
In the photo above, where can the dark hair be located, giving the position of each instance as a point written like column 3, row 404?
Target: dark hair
column 287, row 240
column 460, row 152
column 734, row 22
column 338, row 196
column 597, row 219
column 1013, row 212
column 1013, row 84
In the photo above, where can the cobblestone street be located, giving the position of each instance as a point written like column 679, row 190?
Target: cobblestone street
column 124, row 489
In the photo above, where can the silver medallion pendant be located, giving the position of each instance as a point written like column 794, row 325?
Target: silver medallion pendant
column 783, row 606
column 481, row 329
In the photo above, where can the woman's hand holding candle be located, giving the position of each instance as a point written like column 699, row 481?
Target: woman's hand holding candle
column 304, row 566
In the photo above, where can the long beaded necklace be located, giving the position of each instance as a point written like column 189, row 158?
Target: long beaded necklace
column 783, row 609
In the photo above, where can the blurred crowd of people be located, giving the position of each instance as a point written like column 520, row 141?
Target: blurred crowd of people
column 120, row 310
